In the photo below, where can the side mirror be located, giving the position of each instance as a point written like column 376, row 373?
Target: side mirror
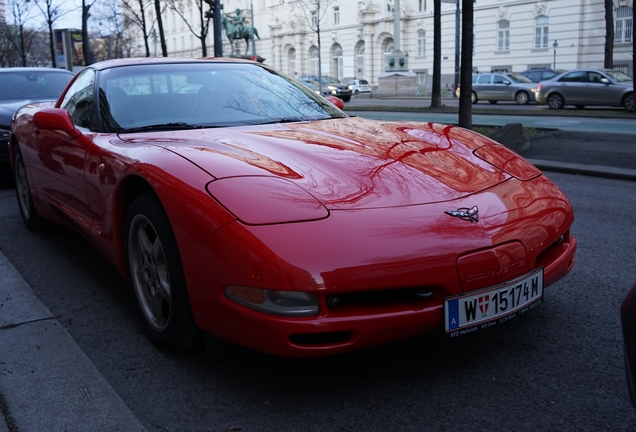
column 337, row 102
column 605, row 81
column 506, row 82
column 55, row 119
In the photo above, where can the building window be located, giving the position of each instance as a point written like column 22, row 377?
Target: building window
column 336, row 62
column 421, row 5
column 503, row 36
column 313, row 61
column 336, row 15
column 360, row 60
column 421, row 43
column 292, row 62
column 623, row 25
column 541, row 32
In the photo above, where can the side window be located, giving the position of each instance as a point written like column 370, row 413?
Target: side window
column 577, row 76
column 484, row 79
column 498, row 79
column 594, row 77
column 78, row 101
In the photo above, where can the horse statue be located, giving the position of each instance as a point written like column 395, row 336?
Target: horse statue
column 237, row 31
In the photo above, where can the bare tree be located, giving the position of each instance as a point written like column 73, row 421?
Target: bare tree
column 162, row 36
column 315, row 11
column 51, row 13
column 135, row 13
column 86, row 52
column 17, row 33
column 609, row 34
column 108, row 42
column 201, row 28
column 436, row 96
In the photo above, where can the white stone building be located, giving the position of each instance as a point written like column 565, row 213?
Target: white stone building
column 512, row 35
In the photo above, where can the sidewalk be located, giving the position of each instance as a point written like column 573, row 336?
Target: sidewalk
column 46, row 380
column 47, row 383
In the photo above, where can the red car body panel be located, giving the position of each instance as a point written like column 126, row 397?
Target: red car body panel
column 349, row 206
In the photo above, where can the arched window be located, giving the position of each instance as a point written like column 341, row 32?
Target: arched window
column 387, row 48
column 421, row 43
column 541, row 32
column 314, row 58
column 360, row 60
column 336, row 62
column 623, row 25
column 292, row 62
column 503, row 36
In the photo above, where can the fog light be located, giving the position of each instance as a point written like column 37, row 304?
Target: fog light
column 559, row 240
column 276, row 302
column 333, row 301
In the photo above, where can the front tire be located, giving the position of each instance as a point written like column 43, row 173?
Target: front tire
column 522, row 98
column 555, row 101
column 30, row 216
column 346, row 98
column 156, row 275
column 628, row 102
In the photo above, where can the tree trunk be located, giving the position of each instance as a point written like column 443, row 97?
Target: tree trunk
column 466, row 83
column 162, row 36
column 436, row 96
column 85, row 47
column 609, row 34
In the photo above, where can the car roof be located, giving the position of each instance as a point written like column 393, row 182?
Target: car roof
column 107, row 64
column 34, row 69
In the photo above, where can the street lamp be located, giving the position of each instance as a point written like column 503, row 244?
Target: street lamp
column 555, row 45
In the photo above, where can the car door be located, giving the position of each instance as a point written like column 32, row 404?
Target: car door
column 596, row 91
column 482, row 86
column 58, row 161
column 572, row 87
column 500, row 88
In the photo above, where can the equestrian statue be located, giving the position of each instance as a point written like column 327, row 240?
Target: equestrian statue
column 237, row 30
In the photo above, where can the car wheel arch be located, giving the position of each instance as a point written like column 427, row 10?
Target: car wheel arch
column 522, row 97
column 626, row 101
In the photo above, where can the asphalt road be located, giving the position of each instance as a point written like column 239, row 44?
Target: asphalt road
column 557, row 368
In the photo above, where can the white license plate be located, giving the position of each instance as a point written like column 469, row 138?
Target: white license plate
column 468, row 312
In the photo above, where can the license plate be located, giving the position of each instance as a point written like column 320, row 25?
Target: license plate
column 476, row 310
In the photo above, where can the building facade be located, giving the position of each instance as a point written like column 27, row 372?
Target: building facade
column 355, row 36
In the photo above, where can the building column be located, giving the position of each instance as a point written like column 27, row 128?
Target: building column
column 370, row 49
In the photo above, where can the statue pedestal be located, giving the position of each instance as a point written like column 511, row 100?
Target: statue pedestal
column 396, row 84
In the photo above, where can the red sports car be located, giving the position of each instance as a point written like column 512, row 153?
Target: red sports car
column 239, row 203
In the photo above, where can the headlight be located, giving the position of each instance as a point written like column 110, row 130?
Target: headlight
column 287, row 303
column 266, row 200
column 508, row 161
column 332, row 88
column 4, row 136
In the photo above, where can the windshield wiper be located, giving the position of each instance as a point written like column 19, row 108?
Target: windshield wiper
column 162, row 127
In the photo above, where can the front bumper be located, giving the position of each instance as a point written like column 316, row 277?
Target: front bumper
column 369, row 255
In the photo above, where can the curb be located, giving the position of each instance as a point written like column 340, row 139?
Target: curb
column 46, row 381
column 588, row 170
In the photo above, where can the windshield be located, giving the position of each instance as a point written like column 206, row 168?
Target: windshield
column 204, row 94
column 517, row 77
column 619, row 76
column 33, row 85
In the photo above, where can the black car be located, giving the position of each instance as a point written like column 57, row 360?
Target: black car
column 538, row 75
column 335, row 87
column 20, row 86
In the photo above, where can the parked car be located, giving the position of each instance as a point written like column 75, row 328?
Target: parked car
column 582, row 87
column 336, row 88
column 500, row 86
column 18, row 87
column 359, row 86
column 538, row 75
column 313, row 85
column 255, row 211
column 628, row 324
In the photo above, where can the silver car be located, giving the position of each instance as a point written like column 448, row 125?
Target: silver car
column 499, row 86
column 581, row 87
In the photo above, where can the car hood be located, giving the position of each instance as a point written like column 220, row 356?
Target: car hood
column 347, row 163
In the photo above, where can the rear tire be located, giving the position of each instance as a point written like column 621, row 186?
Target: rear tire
column 156, row 276
column 492, row 101
column 555, row 101
column 473, row 98
column 30, row 216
